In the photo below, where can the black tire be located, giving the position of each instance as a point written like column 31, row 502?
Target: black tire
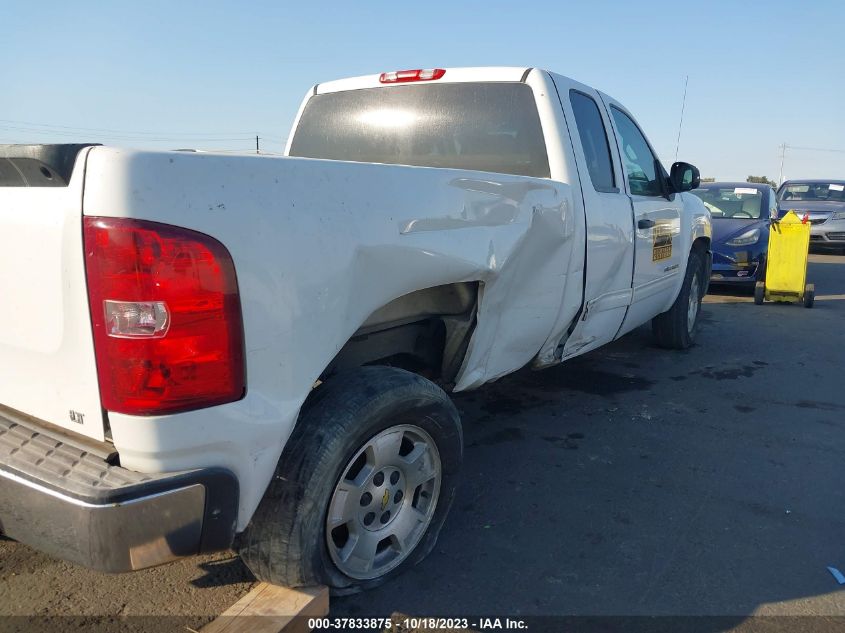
column 671, row 329
column 286, row 540
column 759, row 293
column 809, row 295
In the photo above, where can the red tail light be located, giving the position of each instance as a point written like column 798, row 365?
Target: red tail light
column 402, row 76
column 166, row 314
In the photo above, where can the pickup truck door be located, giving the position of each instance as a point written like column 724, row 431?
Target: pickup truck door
column 659, row 258
column 609, row 220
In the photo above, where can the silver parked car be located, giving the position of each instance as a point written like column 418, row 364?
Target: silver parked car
column 823, row 201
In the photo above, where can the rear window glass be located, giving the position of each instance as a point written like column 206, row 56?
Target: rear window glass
column 480, row 126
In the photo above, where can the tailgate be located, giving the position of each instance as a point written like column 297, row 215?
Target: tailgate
column 47, row 363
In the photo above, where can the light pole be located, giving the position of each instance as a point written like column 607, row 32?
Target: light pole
column 782, row 155
column 681, row 124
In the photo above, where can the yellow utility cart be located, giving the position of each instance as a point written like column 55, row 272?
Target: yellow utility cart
column 786, row 263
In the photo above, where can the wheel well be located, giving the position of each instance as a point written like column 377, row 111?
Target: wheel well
column 701, row 244
column 426, row 331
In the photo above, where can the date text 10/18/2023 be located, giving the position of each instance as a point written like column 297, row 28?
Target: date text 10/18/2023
column 417, row 623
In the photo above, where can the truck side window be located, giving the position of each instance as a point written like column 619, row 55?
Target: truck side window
column 594, row 141
column 637, row 156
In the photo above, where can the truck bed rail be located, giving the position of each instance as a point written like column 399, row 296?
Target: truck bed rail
column 38, row 165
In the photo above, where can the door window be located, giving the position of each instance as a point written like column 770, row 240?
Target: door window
column 594, row 141
column 640, row 162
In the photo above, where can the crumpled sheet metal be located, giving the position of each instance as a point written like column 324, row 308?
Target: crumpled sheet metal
column 528, row 229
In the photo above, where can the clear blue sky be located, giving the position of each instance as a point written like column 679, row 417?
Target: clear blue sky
column 211, row 74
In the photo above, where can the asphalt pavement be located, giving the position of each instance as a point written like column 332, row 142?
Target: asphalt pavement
column 632, row 481
column 640, row 481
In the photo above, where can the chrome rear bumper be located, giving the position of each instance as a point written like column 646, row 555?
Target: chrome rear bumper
column 70, row 502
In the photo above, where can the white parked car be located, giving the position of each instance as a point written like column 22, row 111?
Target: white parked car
column 200, row 351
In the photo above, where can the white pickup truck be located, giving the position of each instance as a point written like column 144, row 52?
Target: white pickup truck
column 201, row 351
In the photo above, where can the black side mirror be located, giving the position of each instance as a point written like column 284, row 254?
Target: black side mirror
column 684, row 177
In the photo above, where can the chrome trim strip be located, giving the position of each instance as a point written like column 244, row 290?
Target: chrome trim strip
column 79, row 502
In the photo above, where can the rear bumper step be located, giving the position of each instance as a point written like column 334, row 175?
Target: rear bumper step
column 71, row 503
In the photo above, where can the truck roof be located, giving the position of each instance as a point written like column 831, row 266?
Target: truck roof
column 451, row 75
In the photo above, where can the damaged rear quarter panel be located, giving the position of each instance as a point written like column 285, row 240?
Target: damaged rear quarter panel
column 320, row 245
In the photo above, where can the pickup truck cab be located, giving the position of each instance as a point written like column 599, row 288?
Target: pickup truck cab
column 203, row 351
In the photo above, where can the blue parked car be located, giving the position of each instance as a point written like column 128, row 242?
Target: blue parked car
column 741, row 214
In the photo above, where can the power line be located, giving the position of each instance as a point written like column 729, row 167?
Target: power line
column 31, row 128
column 146, row 139
column 268, row 138
column 816, row 149
column 783, row 147
column 51, row 126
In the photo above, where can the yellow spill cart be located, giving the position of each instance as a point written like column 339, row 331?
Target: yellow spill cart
column 786, row 263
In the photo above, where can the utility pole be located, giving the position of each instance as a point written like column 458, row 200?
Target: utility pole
column 680, row 125
column 256, row 145
column 782, row 156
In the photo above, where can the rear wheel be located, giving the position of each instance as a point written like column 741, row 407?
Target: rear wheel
column 809, row 295
column 675, row 328
column 363, row 486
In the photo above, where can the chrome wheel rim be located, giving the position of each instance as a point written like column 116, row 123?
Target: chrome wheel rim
column 383, row 502
column 694, row 303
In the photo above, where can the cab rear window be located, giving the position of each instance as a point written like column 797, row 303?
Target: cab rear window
column 480, row 126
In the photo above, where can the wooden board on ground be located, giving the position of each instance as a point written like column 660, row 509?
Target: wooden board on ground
column 271, row 609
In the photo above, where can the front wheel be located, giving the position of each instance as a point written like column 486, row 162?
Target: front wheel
column 675, row 328
column 363, row 486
